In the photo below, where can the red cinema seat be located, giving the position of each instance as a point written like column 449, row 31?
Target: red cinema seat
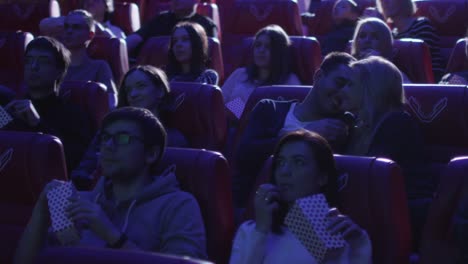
column 27, row 162
column 458, row 59
column 245, row 18
column 90, row 97
column 26, row 16
column 12, row 48
column 205, row 174
column 79, row 255
column 200, row 117
column 68, row 5
column 141, row 6
column 210, row 10
column 127, row 17
column 154, row 52
column 154, row 7
column 413, row 57
column 442, row 113
column 305, row 53
column 437, row 244
column 372, row 193
column 112, row 50
column 449, row 19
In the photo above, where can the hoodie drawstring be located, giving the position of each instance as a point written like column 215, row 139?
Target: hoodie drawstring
column 124, row 227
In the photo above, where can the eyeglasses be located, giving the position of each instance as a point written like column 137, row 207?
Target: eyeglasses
column 119, row 139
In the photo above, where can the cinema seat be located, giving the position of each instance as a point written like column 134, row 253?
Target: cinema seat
column 112, row 50
column 413, row 57
column 12, row 48
column 305, row 53
column 372, row 193
column 154, row 52
column 127, row 17
column 141, row 6
column 210, row 10
column 200, row 117
column 458, row 60
column 26, row 16
column 442, row 113
column 438, row 243
column 90, row 97
column 205, row 174
column 79, row 255
column 27, row 162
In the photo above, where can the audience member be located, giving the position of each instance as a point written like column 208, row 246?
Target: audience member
column 79, row 31
column 373, row 38
column 102, row 11
column 269, row 120
column 406, row 25
column 384, row 129
column 163, row 23
column 52, row 27
column 345, row 15
column 143, row 86
column 42, row 110
column 188, row 55
column 303, row 165
column 271, row 65
column 460, row 77
column 130, row 207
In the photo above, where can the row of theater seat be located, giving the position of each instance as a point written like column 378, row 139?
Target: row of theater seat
column 372, row 194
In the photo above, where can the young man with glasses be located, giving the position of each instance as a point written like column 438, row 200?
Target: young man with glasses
column 79, row 30
column 130, row 207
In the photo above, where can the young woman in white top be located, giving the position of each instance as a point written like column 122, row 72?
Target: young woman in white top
column 303, row 165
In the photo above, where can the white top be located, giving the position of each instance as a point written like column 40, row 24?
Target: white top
column 238, row 86
column 251, row 246
column 291, row 123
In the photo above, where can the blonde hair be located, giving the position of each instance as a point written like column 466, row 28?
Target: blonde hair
column 381, row 86
column 384, row 35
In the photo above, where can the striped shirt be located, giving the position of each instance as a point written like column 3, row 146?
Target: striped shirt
column 421, row 28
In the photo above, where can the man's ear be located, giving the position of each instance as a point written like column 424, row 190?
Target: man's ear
column 152, row 154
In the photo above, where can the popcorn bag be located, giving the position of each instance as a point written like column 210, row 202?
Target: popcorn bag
column 308, row 222
column 5, row 117
column 236, row 107
column 63, row 228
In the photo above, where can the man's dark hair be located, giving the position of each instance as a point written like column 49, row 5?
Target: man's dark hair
column 154, row 134
column 58, row 50
column 333, row 60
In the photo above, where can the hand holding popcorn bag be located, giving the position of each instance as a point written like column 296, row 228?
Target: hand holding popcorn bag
column 307, row 220
column 63, row 228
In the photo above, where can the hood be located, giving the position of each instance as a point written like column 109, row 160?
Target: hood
column 162, row 184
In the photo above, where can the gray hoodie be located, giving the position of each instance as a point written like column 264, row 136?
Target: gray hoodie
column 162, row 218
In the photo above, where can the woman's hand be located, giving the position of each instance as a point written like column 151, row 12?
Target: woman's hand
column 342, row 224
column 266, row 203
column 90, row 213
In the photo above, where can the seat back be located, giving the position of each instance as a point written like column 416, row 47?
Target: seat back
column 141, row 6
column 201, row 116
column 27, row 162
column 413, row 57
column 449, row 19
column 112, row 50
column 211, row 10
column 205, row 174
column 437, row 243
column 155, row 52
column 458, row 60
column 247, row 17
column 90, row 97
column 442, row 112
column 26, row 16
column 127, row 17
column 305, row 56
column 76, row 255
column 68, row 5
column 12, row 48
column 372, row 193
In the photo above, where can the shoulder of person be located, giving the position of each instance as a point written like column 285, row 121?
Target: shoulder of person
column 202, row 19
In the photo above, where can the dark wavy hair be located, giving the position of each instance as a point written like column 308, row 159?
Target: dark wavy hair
column 199, row 43
column 280, row 63
column 325, row 161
